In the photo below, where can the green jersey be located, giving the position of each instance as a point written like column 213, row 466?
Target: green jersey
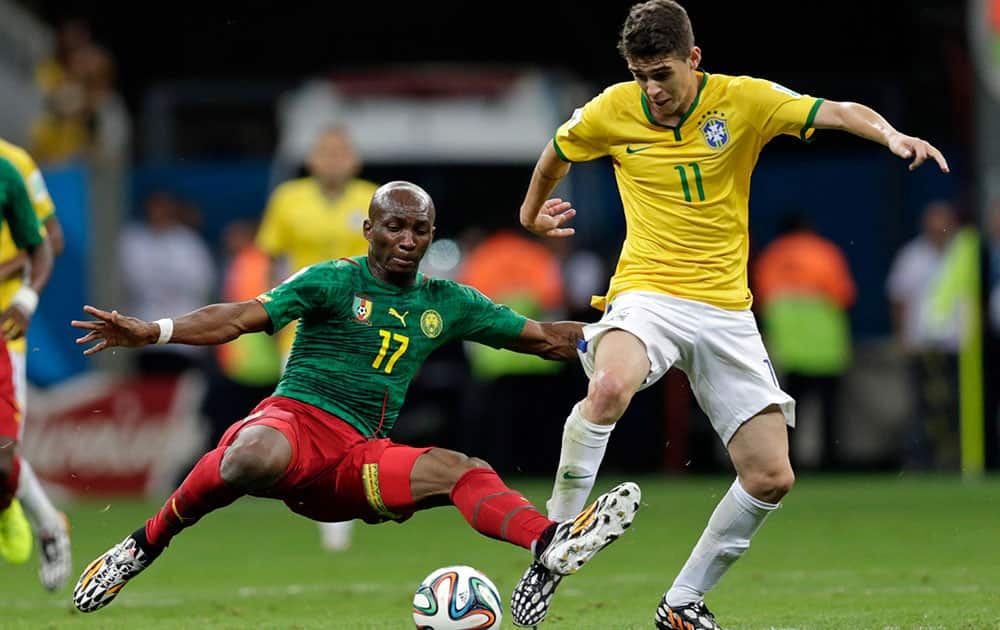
column 360, row 341
column 17, row 211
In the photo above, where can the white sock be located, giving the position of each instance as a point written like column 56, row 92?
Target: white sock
column 727, row 537
column 43, row 516
column 336, row 536
column 583, row 446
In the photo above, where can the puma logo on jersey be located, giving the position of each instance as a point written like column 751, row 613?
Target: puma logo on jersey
column 401, row 318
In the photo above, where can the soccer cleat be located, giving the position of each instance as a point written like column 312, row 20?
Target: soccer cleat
column 573, row 543
column 103, row 578
column 15, row 534
column 693, row 616
column 530, row 601
column 55, row 557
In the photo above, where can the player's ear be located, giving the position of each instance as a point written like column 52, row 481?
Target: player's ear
column 694, row 59
column 367, row 228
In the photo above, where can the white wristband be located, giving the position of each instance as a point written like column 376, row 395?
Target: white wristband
column 27, row 299
column 166, row 330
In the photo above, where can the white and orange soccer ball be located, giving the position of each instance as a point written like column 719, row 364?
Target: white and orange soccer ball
column 457, row 598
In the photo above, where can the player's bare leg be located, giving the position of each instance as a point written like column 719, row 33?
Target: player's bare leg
column 620, row 368
column 759, row 451
column 256, row 459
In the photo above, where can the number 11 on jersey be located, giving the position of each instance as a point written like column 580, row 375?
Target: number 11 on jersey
column 402, row 340
column 682, row 171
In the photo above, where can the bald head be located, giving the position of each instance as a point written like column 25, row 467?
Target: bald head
column 399, row 228
column 401, row 197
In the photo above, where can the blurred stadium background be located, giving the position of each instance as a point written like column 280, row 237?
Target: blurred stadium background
column 211, row 107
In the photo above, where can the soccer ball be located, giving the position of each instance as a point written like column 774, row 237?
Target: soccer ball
column 457, row 598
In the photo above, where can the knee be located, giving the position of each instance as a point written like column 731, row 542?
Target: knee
column 436, row 473
column 453, row 466
column 253, row 465
column 463, row 463
column 771, row 484
column 608, row 396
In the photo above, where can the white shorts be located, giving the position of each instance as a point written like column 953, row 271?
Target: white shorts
column 721, row 352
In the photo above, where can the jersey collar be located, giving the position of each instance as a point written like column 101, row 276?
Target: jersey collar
column 417, row 282
column 687, row 114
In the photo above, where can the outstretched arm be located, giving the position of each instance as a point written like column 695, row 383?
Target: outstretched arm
column 539, row 214
column 865, row 122
column 549, row 340
column 210, row 325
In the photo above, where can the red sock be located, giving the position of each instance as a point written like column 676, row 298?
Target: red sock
column 495, row 510
column 201, row 492
column 8, row 490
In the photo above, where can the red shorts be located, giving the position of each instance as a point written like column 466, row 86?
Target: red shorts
column 336, row 474
column 10, row 415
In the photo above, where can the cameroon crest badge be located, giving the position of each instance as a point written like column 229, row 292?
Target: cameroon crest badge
column 431, row 323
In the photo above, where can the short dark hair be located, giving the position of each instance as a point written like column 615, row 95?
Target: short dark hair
column 656, row 28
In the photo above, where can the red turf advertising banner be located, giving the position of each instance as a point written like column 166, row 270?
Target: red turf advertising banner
column 103, row 434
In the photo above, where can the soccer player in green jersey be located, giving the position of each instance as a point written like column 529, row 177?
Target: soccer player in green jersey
column 18, row 214
column 365, row 326
column 683, row 143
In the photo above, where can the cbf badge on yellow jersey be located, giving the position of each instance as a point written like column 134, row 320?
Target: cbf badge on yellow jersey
column 362, row 309
column 714, row 129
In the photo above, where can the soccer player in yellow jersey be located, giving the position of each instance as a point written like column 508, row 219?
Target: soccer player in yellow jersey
column 48, row 523
column 683, row 143
column 314, row 219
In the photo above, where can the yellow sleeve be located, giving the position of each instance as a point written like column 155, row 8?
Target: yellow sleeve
column 775, row 109
column 39, row 193
column 584, row 137
column 272, row 236
column 41, row 202
column 34, row 183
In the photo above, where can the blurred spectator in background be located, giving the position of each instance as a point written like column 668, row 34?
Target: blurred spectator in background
column 316, row 218
column 165, row 265
column 84, row 116
column 248, row 368
column 525, row 274
column 803, row 289
column 931, row 346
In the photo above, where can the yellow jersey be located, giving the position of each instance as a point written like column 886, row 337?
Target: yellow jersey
column 302, row 223
column 686, row 189
column 44, row 209
column 308, row 227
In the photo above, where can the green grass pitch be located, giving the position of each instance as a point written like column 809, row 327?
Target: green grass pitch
column 850, row 552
